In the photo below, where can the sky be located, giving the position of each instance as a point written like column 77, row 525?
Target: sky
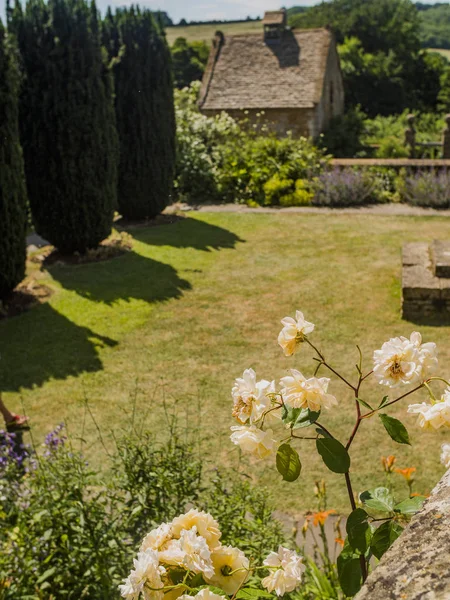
column 204, row 10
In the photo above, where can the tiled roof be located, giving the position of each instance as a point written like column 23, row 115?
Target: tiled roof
column 246, row 72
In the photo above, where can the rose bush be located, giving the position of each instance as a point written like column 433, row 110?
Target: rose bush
column 272, row 420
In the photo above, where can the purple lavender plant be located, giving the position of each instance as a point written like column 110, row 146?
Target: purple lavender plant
column 429, row 189
column 343, row 187
column 54, row 440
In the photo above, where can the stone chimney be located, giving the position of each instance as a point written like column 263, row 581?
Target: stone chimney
column 274, row 23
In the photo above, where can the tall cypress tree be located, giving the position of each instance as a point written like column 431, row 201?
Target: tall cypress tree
column 67, row 122
column 144, row 111
column 12, row 180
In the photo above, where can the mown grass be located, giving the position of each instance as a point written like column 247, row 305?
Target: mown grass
column 195, row 303
column 443, row 51
column 205, row 33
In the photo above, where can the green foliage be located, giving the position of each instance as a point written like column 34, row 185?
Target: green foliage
column 67, row 122
column 222, row 160
column 395, row 429
column 72, row 532
column 333, row 454
column 188, row 61
column 144, row 111
column 343, row 137
column 358, row 530
column 378, row 501
column 384, row 537
column 381, row 25
column 288, row 463
column 13, row 198
column 435, row 26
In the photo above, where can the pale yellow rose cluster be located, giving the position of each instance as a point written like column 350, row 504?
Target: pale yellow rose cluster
column 257, row 405
column 405, row 361
column 189, row 544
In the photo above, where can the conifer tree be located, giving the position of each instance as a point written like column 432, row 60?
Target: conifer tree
column 144, row 111
column 13, row 209
column 67, row 122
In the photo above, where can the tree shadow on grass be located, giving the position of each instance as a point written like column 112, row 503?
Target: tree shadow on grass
column 188, row 233
column 123, row 278
column 43, row 344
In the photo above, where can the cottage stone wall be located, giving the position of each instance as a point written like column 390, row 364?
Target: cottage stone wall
column 332, row 101
column 300, row 121
column 416, row 567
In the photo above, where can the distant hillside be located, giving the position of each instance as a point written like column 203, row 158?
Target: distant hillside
column 435, row 19
column 205, row 32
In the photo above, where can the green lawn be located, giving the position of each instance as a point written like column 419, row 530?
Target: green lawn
column 198, row 301
column 205, row 33
column 442, row 51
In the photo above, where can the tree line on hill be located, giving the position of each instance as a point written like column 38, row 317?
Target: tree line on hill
column 384, row 67
column 87, row 125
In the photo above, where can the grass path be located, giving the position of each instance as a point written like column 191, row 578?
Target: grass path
column 198, row 301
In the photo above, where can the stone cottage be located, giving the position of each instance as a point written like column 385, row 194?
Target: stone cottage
column 294, row 77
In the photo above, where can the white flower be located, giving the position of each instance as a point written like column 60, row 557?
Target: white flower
column 127, row 590
column 398, row 361
column 197, row 555
column 206, row 526
column 433, row 416
column 225, row 560
column 300, row 392
column 428, row 355
column 171, row 553
column 146, row 571
column 157, row 537
column 253, row 440
column 250, row 397
column 294, row 332
column 405, row 361
column 289, row 573
column 445, row 455
column 204, row 594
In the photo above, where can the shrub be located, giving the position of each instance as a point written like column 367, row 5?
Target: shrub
column 67, row 123
column 69, row 531
column 265, row 169
column 13, row 199
column 428, row 189
column 145, row 111
column 200, row 143
column 346, row 187
column 220, row 160
column 391, row 147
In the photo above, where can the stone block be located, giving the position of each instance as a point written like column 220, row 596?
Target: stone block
column 415, row 254
column 419, row 283
column 440, row 256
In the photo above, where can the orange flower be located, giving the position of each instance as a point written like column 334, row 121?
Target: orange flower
column 388, row 463
column 340, row 541
column 408, row 473
column 321, row 517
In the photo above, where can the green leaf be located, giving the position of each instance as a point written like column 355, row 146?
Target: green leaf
column 349, row 572
column 379, row 500
column 288, row 462
column 299, row 417
column 365, row 404
column 410, row 506
column 305, row 418
column 333, row 454
column 395, row 429
column 383, row 402
column 252, row 594
column 384, row 537
column 48, row 573
column 358, row 530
